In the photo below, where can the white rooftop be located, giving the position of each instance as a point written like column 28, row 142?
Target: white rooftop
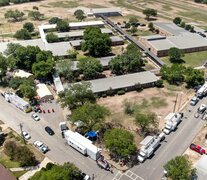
column 22, row 74
column 87, row 23
column 42, row 90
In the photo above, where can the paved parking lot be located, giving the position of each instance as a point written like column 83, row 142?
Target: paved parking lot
column 128, row 175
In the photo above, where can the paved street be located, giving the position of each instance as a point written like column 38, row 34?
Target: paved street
column 60, row 152
column 152, row 169
column 174, row 144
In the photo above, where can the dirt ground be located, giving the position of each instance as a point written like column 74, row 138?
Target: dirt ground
column 161, row 101
column 199, row 140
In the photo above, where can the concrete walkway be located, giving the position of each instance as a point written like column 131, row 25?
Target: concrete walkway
column 30, row 173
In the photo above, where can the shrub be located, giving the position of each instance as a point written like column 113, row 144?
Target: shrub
column 121, row 92
column 159, row 83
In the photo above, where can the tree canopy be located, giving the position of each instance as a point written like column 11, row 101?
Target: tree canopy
column 28, row 89
column 149, row 12
column 67, row 171
column 3, row 66
column 14, row 15
column 29, row 26
column 76, row 95
column 35, row 15
column 22, row 34
column 54, row 20
column 62, row 26
column 178, row 73
column 79, row 14
column 90, row 114
column 179, row 168
column 51, row 38
column 177, row 20
column 175, row 55
column 64, row 68
column 120, row 143
column 133, row 20
column 96, row 42
column 129, row 61
column 90, row 67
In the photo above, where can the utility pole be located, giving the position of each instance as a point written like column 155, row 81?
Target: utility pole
column 175, row 103
column 92, row 176
column 20, row 125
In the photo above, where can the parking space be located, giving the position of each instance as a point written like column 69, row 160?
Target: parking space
column 128, row 175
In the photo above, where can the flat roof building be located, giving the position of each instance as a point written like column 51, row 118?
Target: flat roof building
column 170, row 36
column 113, row 11
column 127, row 82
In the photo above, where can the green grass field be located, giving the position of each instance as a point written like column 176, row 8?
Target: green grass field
column 191, row 59
column 64, row 4
column 5, row 161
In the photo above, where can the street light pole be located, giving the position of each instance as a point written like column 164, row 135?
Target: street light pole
column 20, row 125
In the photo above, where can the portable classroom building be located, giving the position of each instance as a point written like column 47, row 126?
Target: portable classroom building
column 43, row 92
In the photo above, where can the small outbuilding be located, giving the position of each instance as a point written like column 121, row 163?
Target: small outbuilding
column 6, row 174
column 22, row 74
column 43, row 92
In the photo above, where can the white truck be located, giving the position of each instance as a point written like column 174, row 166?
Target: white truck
column 172, row 121
column 63, row 127
column 149, row 146
column 82, row 144
column 202, row 91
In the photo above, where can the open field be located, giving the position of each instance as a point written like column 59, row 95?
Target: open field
column 191, row 59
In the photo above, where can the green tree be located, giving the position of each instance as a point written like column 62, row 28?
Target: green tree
column 175, row 55
column 130, row 61
column 29, row 26
column 3, row 66
column 64, row 68
column 133, row 20
column 36, row 15
column 90, row 67
column 43, row 69
column 67, row 171
column 188, row 27
column 14, row 15
column 79, row 14
column 120, row 143
column 54, row 20
column 151, row 26
column 127, row 25
column 194, row 77
column 179, row 168
column 15, row 82
column 72, row 54
column 182, row 24
column 62, row 26
column 26, row 56
column 159, row 83
column 95, row 42
column 51, row 38
column 133, row 30
column 22, row 34
column 145, row 120
column 76, row 95
column 173, row 74
column 177, row 20
column 90, row 114
column 192, row 29
column 4, row 2
column 27, row 89
column 11, row 49
column 149, row 12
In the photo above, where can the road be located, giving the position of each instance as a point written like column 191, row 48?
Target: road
column 175, row 144
column 60, row 152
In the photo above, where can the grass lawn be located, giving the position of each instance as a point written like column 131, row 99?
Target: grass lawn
column 5, row 161
column 191, row 59
column 18, row 174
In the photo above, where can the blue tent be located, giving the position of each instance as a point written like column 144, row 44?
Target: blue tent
column 92, row 134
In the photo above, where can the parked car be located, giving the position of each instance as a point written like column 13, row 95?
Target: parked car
column 194, row 101
column 49, row 130
column 102, row 163
column 26, row 135
column 42, row 147
column 202, row 108
column 198, row 149
column 35, row 117
column 85, row 176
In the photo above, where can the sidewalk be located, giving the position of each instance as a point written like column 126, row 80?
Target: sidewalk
column 30, row 173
